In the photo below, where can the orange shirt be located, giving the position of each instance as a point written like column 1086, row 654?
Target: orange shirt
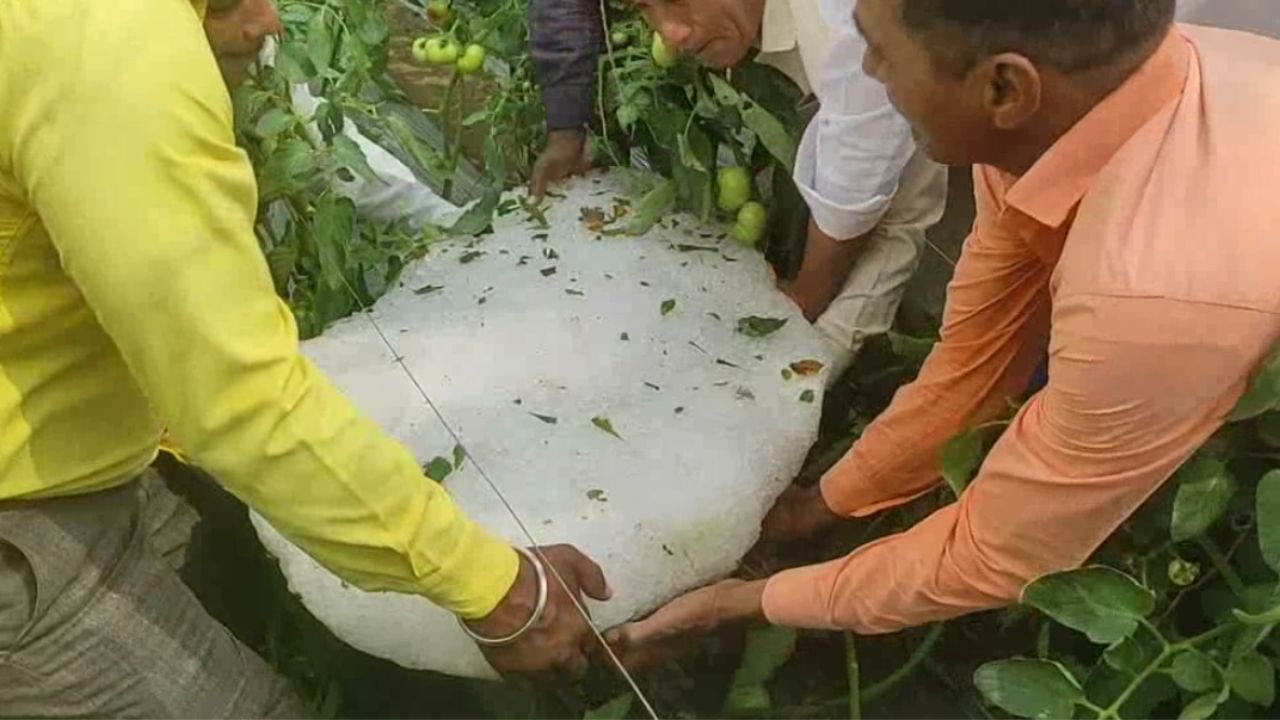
column 1143, row 250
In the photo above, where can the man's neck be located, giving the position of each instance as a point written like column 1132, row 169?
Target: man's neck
column 1066, row 100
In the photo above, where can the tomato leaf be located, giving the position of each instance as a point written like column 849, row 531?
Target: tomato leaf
column 1269, row 518
column 668, row 306
column 333, row 226
column 1204, row 491
column 1203, row 707
column 1030, row 688
column 616, row 709
column 651, row 207
column 1253, row 678
column 961, row 457
column 758, row 327
column 320, row 42
column 773, row 135
column 1194, row 672
column 605, row 425
column 349, row 154
column 438, row 469
column 1263, row 394
column 1103, row 603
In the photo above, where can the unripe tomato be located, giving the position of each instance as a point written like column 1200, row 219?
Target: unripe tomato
column 620, row 39
column 419, row 50
column 440, row 13
column 449, row 52
column 734, row 188
column 662, row 55
column 750, row 226
column 472, row 59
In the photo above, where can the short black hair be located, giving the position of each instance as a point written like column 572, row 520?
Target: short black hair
column 1067, row 35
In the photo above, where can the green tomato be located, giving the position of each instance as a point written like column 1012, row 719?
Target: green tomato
column 440, row 12
column 420, row 52
column 472, row 59
column 750, row 226
column 734, row 185
column 1183, row 573
column 620, row 39
column 439, row 51
column 662, row 55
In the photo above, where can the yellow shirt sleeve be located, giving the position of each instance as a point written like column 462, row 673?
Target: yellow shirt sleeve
column 123, row 143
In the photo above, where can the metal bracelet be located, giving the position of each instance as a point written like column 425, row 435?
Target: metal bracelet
column 540, row 607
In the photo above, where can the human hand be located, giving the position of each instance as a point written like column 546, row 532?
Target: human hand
column 799, row 513
column 676, row 628
column 560, row 642
column 566, row 154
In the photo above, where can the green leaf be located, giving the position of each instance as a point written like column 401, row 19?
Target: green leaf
column 333, row 226
column 349, row 154
column 1030, row 688
column 1133, row 654
column 273, row 122
column 1270, row 617
column 687, row 156
column 320, row 42
column 459, row 456
column 758, row 327
column 668, row 306
column 1252, row 677
column 1269, row 518
column 605, row 425
column 479, row 216
column 652, row 207
column 289, row 169
column 807, row 396
column 438, row 469
column 1263, row 394
column 1203, row 707
column 291, row 63
column 1195, row 672
column 772, row 134
column 616, row 709
column 961, row 457
column 914, row 351
column 725, row 94
column 1103, row 603
column 1269, row 429
column 1204, row 491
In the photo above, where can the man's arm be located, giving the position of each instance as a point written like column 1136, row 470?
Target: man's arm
column 994, row 329
column 1136, row 385
column 848, row 168
column 132, row 167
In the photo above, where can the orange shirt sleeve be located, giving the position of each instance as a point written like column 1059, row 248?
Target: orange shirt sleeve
column 993, row 333
column 1136, row 385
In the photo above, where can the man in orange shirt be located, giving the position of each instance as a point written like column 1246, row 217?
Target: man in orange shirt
column 1125, row 178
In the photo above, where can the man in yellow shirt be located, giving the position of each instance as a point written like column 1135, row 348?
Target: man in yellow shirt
column 133, row 297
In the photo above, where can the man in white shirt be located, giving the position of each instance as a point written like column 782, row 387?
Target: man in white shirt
column 871, row 195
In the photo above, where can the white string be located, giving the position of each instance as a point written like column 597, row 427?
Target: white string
column 533, row 541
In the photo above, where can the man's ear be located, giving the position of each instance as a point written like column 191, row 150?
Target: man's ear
column 1012, row 89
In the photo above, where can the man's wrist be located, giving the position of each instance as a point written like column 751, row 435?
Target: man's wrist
column 515, row 609
column 742, row 601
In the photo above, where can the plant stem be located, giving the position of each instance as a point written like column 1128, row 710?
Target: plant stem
column 1111, row 712
column 1223, row 566
column 902, row 673
column 855, row 679
column 1042, row 642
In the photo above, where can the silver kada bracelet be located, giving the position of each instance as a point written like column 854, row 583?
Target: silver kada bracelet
column 539, row 608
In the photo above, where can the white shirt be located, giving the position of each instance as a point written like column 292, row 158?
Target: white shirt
column 853, row 153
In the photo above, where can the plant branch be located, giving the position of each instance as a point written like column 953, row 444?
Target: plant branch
column 1222, row 565
column 921, row 652
column 855, row 675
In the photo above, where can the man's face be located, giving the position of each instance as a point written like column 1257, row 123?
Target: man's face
column 719, row 33
column 237, row 30
column 945, row 110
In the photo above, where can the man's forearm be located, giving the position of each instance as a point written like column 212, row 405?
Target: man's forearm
column 824, row 271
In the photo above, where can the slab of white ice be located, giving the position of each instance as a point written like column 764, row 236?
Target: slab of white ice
column 567, row 323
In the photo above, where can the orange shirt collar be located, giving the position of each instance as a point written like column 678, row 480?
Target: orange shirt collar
column 1060, row 178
